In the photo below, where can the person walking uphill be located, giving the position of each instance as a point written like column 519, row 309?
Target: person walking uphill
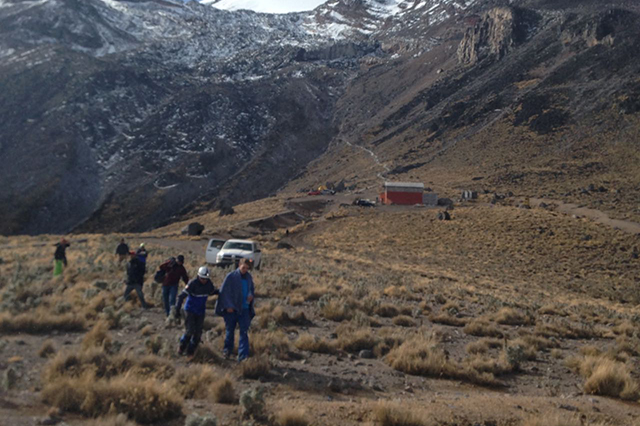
column 174, row 270
column 60, row 257
column 236, row 306
column 196, row 293
column 122, row 251
column 135, row 278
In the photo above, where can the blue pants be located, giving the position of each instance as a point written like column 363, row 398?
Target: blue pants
column 169, row 293
column 243, row 320
column 193, row 332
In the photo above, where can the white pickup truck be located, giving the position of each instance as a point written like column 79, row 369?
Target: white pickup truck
column 234, row 250
column 213, row 248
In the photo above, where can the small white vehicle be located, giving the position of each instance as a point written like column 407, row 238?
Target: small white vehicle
column 234, row 250
column 213, row 248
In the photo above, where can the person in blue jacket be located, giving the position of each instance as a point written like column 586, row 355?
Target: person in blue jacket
column 196, row 292
column 235, row 305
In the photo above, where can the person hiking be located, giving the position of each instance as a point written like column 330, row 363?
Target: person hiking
column 122, row 251
column 236, row 305
column 142, row 253
column 196, row 293
column 174, row 270
column 60, row 257
column 135, row 278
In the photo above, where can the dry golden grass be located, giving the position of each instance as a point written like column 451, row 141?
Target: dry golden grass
column 404, row 321
column 119, row 420
column 311, row 343
column 145, row 401
column 205, row 354
column 314, row 293
column 255, row 367
column 509, row 316
column 447, row 319
column 422, row 356
column 604, row 376
column 482, row 328
column 223, row 392
column 292, row 417
column 356, row 340
column 337, row 310
column 98, row 336
column 193, row 382
column 40, row 322
column 483, row 345
column 273, row 343
column 389, row 414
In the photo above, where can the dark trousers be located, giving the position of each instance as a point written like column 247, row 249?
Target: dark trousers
column 169, row 293
column 193, row 332
column 243, row 320
column 138, row 289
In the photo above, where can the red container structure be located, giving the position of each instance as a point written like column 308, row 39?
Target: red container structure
column 403, row 193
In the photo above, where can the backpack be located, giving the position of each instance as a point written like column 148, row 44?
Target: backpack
column 159, row 276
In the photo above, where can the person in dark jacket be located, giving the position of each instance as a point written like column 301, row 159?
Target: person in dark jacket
column 142, row 253
column 60, row 257
column 196, row 293
column 122, row 251
column 135, row 278
column 174, row 271
column 236, row 306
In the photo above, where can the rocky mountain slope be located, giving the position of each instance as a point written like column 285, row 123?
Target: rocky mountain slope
column 119, row 115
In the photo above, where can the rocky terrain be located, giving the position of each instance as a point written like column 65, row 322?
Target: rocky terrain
column 122, row 115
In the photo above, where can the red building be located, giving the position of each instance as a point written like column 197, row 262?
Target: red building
column 403, row 193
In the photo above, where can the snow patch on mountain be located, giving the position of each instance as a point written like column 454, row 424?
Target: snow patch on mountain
column 266, row 6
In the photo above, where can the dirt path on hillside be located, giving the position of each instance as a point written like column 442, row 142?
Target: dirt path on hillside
column 593, row 214
column 196, row 247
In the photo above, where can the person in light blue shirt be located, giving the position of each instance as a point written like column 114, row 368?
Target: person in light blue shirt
column 236, row 305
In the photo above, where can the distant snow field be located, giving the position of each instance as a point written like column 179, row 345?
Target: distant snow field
column 267, row 6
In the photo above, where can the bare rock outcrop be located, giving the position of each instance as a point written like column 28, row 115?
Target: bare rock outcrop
column 500, row 30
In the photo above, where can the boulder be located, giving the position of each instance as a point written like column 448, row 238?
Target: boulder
column 226, row 211
column 366, row 354
column 194, row 228
column 445, row 202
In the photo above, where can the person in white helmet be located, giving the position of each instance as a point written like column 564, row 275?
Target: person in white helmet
column 196, row 292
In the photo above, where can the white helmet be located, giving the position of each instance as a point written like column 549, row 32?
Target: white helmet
column 203, row 272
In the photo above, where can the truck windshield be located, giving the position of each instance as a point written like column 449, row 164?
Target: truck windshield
column 216, row 244
column 237, row 246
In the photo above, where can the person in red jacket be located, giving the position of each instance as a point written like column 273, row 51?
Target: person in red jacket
column 174, row 271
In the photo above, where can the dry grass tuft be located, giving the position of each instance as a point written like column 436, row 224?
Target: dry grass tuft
column 447, row 319
column 483, row 345
column 119, row 420
column 223, row 391
column 98, row 336
column 47, row 349
column 40, row 322
column 387, row 414
column 482, row 328
column 145, row 401
column 605, row 376
column 387, row 310
column 336, row 310
column 311, row 343
column 551, row 420
column 292, row 418
column 274, row 343
column 205, row 354
column 255, row 367
column 192, row 382
column 509, row 316
column 357, row 340
column 315, row 293
column 404, row 321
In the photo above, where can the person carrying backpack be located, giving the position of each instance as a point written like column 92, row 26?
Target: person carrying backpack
column 60, row 257
column 135, row 278
column 196, row 293
column 173, row 271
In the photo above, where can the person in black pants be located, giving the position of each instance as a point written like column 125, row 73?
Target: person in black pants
column 196, row 293
column 135, row 278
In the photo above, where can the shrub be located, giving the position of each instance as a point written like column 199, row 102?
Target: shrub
column 253, row 404
column 292, row 418
column 223, row 392
column 143, row 401
column 311, row 343
column 194, row 419
column 509, row 316
column 39, row 322
column 98, row 336
column 611, row 378
column 274, row 343
column 481, row 328
column 357, row 341
column 404, row 321
column 336, row 310
column 483, row 345
column 255, row 367
column 392, row 415
column 205, row 354
column 387, row 310
column 192, row 382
